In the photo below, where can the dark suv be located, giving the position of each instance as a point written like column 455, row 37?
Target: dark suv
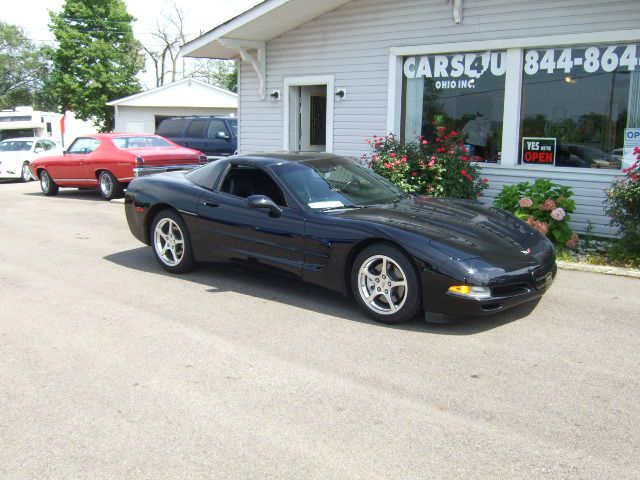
column 214, row 136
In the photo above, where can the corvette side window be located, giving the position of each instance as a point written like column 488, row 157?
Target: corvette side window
column 245, row 180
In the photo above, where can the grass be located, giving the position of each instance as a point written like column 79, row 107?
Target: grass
column 600, row 251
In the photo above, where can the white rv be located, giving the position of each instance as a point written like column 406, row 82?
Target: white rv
column 27, row 122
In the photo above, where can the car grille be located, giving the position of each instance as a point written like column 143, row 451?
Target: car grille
column 510, row 289
column 542, row 276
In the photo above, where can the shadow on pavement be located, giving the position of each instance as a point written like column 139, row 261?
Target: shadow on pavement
column 72, row 194
column 269, row 285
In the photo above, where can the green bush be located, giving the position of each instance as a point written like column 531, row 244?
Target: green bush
column 544, row 205
column 440, row 169
column 623, row 206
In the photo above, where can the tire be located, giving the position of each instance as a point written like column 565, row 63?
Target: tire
column 47, row 184
column 25, row 173
column 109, row 186
column 392, row 295
column 171, row 242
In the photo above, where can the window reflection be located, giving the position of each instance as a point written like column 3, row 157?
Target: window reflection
column 584, row 98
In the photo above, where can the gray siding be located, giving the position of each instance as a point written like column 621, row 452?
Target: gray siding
column 352, row 43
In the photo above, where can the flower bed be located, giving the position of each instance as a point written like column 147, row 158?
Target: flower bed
column 441, row 168
column 623, row 206
column 544, row 205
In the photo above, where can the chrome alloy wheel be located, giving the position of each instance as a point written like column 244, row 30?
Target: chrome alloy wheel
column 168, row 241
column 26, row 173
column 382, row 284
column 106, row 185
column 44, row 181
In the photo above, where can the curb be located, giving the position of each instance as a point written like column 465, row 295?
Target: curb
column 583, row 267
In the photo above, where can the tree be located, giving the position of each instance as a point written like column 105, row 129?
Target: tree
column 23, row 66
column 222, row 73
column 97, row 58
column 169, row 33
column 169, row 65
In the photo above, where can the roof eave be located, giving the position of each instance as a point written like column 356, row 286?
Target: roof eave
column 194, row 47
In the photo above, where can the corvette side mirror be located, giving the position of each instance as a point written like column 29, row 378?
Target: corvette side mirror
column 262, row 201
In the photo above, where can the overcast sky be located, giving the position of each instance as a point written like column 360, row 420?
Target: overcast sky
column 201, row 15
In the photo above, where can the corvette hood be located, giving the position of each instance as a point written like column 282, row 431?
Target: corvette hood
column 460, row 228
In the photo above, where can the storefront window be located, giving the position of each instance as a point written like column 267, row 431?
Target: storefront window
column 463, row 91
column 579, row 105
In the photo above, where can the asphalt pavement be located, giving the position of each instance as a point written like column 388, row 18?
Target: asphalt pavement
column 112, row 368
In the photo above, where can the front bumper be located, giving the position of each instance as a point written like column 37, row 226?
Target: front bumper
column 137, row 220
column 10, row 169
column 144, row 171
column 509, row 291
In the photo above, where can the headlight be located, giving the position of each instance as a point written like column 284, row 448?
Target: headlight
column 470, row 291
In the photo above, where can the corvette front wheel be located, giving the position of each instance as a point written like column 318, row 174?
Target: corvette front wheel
column 171, row 242
column 385, row 284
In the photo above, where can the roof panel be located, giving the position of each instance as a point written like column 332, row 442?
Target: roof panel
column 187, row 92
column 263, row 22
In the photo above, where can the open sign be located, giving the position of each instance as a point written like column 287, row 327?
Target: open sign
column 632, row 133
column 538, row 151
column 631, row 142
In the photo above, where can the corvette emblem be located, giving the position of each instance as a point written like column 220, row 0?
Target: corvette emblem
column 527, row 251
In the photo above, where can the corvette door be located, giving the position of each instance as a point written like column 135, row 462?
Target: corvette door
column 233, row 230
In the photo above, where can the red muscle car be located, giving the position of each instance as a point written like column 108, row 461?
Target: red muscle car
column 109, row 161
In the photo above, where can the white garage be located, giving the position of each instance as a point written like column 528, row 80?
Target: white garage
column 143, row 111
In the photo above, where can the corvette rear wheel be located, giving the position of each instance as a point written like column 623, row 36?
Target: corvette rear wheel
column 25, row 174
column 385, row 284
column 110, row 187
column 171, row 242
column 47, row 184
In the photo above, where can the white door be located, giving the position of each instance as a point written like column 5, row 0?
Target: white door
column 313, row 118
column 308, row 118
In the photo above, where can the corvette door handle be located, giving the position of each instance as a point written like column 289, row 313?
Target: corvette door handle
column 211, row 204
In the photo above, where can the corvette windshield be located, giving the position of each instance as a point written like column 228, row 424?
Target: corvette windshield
column 336, row 183
column 15, row 146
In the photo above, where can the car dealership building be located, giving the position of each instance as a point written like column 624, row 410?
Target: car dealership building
column 546, row 89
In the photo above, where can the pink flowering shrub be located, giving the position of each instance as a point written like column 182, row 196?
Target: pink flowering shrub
column 558, row 214
column 525, row 202
column 623, row 206
column 548, row 205
column 543, row 205
column 441, row 169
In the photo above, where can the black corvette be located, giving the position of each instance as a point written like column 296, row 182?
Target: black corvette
column 332, row 222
